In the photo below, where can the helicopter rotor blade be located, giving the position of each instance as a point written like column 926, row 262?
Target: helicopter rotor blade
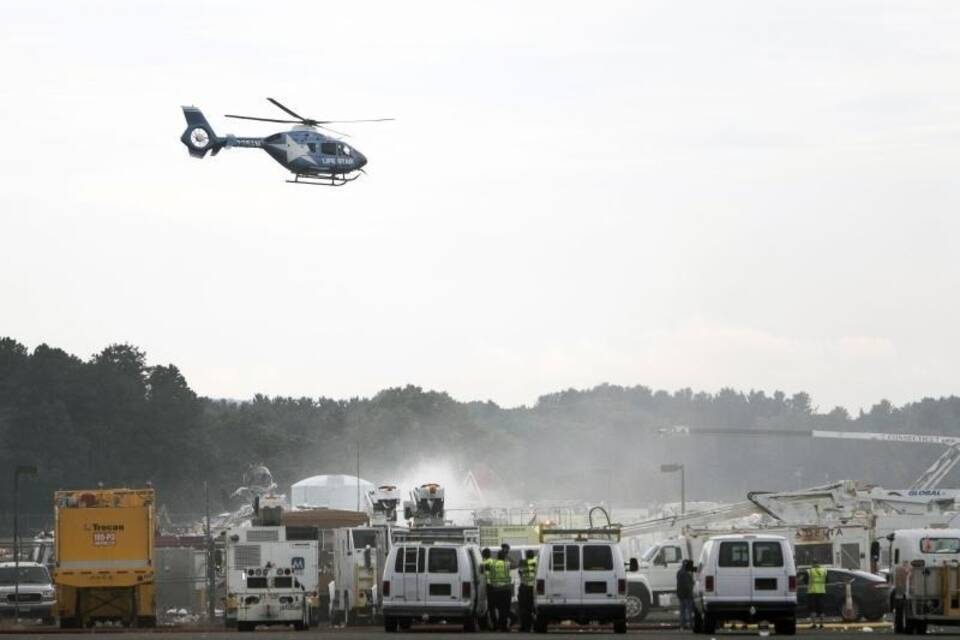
column 339, row 133
column 262, row 119
column 350, row 121
column 290, row 111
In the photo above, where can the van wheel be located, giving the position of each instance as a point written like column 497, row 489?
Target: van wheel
column 389, row 624
column 920, row 627
column 620, row 626
column 540, row 625
column 404, row 624
column 709, row 623
column 470, row 625
column 786, row 627
column 697, row 622
column 638, row 604
column 245, row 626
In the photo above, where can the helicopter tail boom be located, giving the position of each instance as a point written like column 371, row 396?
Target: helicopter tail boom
column 199, row 137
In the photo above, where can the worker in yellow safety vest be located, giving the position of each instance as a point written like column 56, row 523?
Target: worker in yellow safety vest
column 816, row 591
column 528, row 578
column 486, row 567
column 502, row 589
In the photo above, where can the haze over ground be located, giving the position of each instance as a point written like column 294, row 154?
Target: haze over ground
column 681, row 194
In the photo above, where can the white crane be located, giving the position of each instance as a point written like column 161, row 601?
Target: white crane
column 928, row 480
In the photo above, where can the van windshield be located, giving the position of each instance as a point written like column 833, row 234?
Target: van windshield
column 940, row 545
column 28, row 575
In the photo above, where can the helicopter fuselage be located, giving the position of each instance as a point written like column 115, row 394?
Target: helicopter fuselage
column 305, row 151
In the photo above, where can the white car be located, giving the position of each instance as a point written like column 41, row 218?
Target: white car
column 581, row 578
column 36, row 591
column 746, row 577
column 424, row 581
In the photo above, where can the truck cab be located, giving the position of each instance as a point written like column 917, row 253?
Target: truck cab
column 926, row 576
column 654, row 586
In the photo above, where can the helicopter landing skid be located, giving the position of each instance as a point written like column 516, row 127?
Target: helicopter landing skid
column 332, row 180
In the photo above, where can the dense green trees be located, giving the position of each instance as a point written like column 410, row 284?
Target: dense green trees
column 116, row 419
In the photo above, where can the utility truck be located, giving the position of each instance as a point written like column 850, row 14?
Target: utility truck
column 926, row 578
column 271, row 579
column 359, row 555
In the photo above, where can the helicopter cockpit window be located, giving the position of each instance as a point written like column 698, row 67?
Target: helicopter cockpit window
column 328, row 148
column 312, row 146
column 344, row 150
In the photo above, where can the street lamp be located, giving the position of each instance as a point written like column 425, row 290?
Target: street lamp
column 19, row 470
column 673, row 468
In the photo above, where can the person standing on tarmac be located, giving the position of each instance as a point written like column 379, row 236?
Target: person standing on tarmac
column 503, row 589
column 685, row 593
column 816, row 591
column 528, row 578
column 486, row 567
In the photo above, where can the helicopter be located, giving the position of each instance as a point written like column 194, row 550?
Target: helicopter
column 311, row 156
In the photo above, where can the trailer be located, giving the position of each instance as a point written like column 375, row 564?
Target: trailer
column 359, row 555
column 270, row 580
column 104, row 568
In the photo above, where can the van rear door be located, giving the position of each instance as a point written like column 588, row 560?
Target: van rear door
column 770, row 580
column 563, row 582
column 409, row 565
column 443, row 575
column 733, row 576
column 599, row 580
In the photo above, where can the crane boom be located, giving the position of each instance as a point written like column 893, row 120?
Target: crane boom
column 929, row 479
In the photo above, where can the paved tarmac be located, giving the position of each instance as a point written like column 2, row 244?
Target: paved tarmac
column 440, row 633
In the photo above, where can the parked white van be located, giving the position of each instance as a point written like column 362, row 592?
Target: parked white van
column 426, row 581
column 746, row 577
column 581, row 577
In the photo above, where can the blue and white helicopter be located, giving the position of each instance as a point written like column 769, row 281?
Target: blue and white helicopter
column 312, row 157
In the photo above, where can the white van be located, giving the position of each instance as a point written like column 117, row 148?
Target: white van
column 746, row 577
column 581, row 578
column 424, row 581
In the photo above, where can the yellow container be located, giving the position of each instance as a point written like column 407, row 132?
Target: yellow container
column 104, row 556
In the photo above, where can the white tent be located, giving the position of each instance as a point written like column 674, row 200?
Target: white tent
column 331, row 492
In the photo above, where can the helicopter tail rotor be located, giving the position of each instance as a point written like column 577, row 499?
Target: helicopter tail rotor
column 199, row 137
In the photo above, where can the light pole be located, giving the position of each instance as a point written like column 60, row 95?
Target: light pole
column 19, row 470
column 672, row 468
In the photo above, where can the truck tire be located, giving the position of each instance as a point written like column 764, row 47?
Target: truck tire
column 68, row 623
column 540, row 624
column 920, row 627
column 638, row 603
column 786, row 627
column 405, row 623
column 389, row 624
column 620, row 626
column 245, row 626
column 709, row 623
column 470, row 625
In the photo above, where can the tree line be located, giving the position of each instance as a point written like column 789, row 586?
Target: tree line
column 116, row 419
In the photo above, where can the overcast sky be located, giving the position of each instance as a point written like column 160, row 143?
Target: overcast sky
column 750, row 194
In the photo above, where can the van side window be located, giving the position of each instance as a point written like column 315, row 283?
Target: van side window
column 734, row 554
column 767, row 554
column 597, row 557
column 573, row 557
column 442, row 560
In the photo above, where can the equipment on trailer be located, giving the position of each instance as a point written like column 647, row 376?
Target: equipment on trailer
column 426, row 506
column 311, row 156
